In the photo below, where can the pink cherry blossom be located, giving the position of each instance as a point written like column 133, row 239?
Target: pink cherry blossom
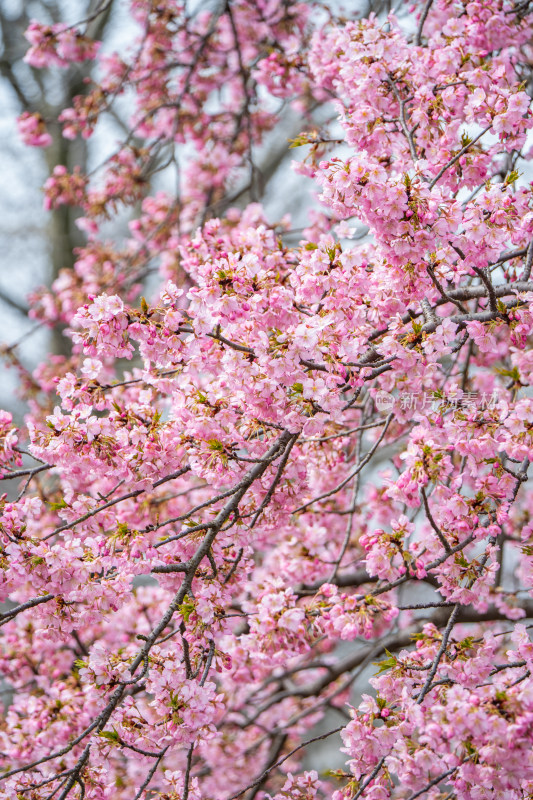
column 288, row 486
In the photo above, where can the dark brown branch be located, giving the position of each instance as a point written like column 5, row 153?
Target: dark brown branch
column 423, row 17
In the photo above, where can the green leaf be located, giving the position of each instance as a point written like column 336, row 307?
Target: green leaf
column 58, row 505
column 299, row 141
column 111, row 736
column 388, row 663
column 339, row 774
column 510, row 373
column 502, row 308
column 186, row 608
column 511, row 177
column 470, row 749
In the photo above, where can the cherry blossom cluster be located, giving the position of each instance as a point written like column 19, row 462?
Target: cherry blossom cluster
column 57, row 45
column 217, row 527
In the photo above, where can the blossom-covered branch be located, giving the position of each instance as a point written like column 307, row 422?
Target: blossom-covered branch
column 313, row 444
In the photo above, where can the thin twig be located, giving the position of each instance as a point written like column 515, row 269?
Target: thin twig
column 432, row 522
column 265, row 774
column 456, row 158
column 354, row 472
column 151, row 773
column 423, row 17
column 445, row 636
